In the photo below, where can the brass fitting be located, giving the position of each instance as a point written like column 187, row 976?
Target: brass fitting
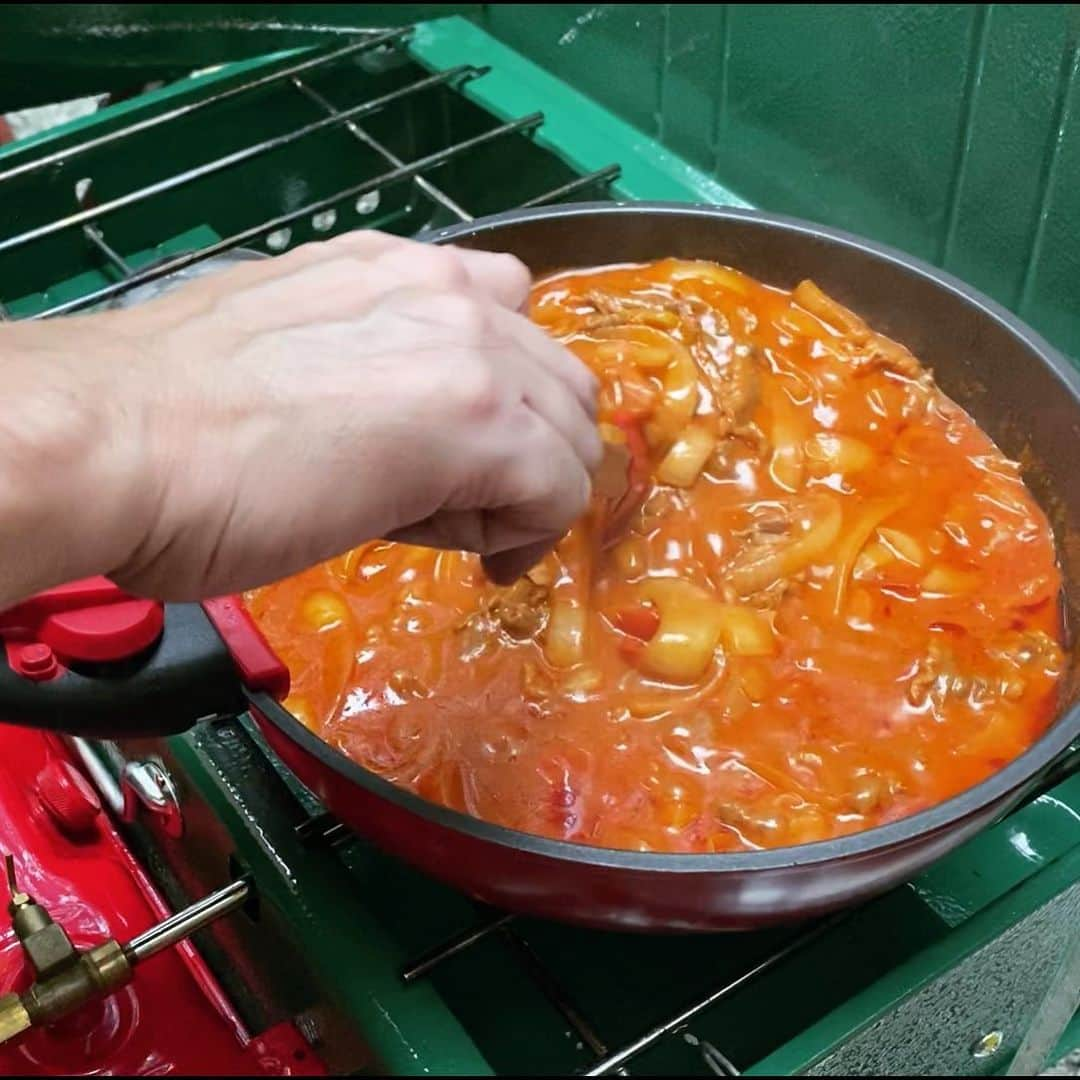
column 14, row 1019
column 46, row 945
column 90, row 974
column 65, row 977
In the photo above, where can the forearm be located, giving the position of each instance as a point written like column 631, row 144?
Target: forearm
column 70, row 489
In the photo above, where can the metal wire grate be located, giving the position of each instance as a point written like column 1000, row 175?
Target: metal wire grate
column 93, row 219
column 608, row 1061
column 323, row 828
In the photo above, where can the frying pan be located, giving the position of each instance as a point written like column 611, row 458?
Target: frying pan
column 1019, row 390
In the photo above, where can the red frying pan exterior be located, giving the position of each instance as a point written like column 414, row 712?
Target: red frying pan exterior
column 605, row 889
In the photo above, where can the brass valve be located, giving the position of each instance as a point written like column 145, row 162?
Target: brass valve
column 66, row 977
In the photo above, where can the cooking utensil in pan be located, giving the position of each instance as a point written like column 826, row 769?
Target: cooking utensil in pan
column 159, row 671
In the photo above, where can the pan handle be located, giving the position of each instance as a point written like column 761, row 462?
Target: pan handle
column 87, row 659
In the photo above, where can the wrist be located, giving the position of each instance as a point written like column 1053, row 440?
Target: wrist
column 74, row 491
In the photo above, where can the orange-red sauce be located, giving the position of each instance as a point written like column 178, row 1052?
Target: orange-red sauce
column 848, row 614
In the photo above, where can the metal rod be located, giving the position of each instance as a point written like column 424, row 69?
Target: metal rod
column 97, row 240
column 316, row 825
column 406, row 172
column 185, row 923
column 322, row 828
column 631, row 1050
column 68, row 152
column 426, row 186
column 237, row 157
column 554, row 992
column 719, row 1063
column 604, row 175
column 442, row 952
column 104, row 780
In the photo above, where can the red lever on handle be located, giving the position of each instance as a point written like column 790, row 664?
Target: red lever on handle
column 91, row 620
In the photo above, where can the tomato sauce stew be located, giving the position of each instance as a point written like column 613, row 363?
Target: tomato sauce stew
column 825, row 601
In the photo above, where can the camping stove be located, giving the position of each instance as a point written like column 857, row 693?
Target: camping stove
column 310, row 951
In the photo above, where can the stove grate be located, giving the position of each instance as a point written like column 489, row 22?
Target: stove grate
column 614, row 1062
column 91, row 218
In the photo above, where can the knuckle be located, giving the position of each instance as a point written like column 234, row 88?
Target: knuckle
column 446, row 265
column 477, row 389
column 467, row 316
column 434, row 267
column 338, row 265
column 515, row 272
column 312, row 251
column 363, row 243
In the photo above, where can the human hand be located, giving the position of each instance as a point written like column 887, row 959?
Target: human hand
column 359, row 388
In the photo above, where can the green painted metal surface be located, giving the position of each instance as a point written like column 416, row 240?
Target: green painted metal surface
column 360, row 916
column 481, row 1012
column 1031, row 838
column 586, row 134
column 49, row 52
column 410, row 1029
column 906, row 981
column 500, row 174
column 949, row 130
column 952, row 131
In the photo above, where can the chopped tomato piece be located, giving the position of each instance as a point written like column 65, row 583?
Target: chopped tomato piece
column 639, row 621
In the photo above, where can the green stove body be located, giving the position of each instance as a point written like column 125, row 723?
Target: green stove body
column 970, row 969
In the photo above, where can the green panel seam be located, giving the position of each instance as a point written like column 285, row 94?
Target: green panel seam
column 584, row 134
column 822, row 1038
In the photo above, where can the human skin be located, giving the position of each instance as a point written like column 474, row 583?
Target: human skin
column 259, row 420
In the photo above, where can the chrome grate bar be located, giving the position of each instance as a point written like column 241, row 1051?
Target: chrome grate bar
column 323, row 829
column 716, row 1061
column 601, row 176
column 555, row 993
column 237, row 157
column 67, row 153
column 426, row 186
column 615, row 1061
column 406, row 172
column 459, row 943
column 97, row 241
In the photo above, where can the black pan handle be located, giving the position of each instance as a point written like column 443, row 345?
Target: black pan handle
column 197, row 667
